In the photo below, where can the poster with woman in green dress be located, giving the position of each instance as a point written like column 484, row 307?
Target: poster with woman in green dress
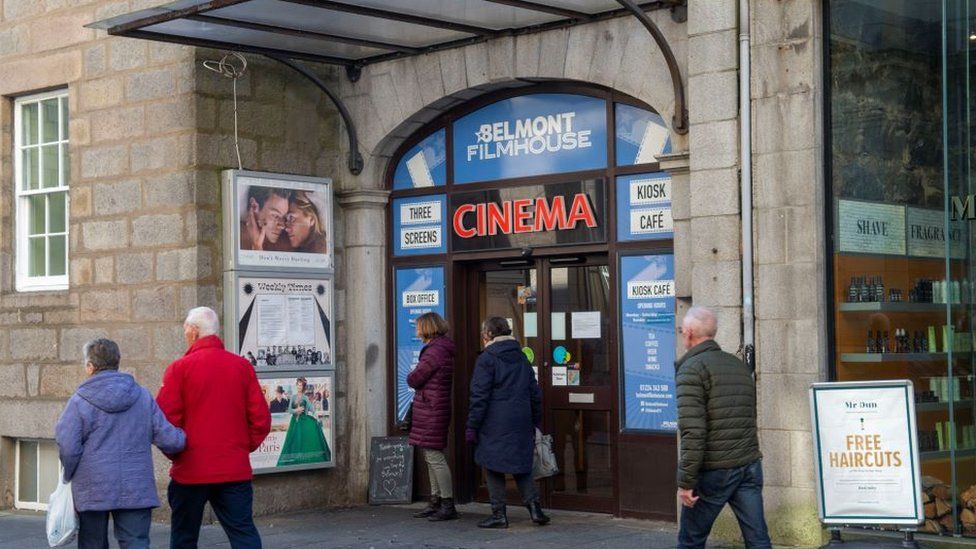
column 304, row 440
column 301, row 425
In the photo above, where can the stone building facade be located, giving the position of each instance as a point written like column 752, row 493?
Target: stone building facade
column 150, row 129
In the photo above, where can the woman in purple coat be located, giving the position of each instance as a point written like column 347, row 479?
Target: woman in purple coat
column 105, row 438
column 432, row 380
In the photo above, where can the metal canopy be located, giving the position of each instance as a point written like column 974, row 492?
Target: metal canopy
column 356, row 33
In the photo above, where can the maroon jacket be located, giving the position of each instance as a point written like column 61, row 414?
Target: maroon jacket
column 432, row 379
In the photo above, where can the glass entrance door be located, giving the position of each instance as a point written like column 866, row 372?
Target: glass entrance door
column 560, row 311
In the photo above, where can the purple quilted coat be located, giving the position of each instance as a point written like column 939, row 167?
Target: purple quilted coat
column 432, row 380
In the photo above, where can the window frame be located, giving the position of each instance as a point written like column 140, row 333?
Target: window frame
column 22, row 281
column 31, row 505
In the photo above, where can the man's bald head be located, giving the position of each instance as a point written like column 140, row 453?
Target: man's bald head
column 699, row 324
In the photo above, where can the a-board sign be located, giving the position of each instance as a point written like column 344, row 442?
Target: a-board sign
column 866, row 452
column 390, row 470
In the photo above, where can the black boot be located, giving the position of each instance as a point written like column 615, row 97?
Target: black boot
column 535, row 511
column 498, row 518
column 432, row 507
column 446, row 512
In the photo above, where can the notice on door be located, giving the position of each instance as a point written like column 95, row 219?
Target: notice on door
column 865, row 452
column 586, row 325
column 647, row 342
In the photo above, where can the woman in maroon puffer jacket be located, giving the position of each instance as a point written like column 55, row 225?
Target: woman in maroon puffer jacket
column 432, row 379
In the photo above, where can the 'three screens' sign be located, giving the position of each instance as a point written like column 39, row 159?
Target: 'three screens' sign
column 866, row 452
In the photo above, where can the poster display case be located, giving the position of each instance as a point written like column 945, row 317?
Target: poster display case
column 302, row 423
column 282, row 323
column 279, row 309
column 279, row 223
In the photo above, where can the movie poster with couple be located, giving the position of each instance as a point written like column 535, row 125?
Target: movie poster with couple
column 284, row 324
column 278, row 222
column 302, row 427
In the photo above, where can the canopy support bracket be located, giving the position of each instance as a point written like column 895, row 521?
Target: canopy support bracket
column 355, row 161
column 680, row 120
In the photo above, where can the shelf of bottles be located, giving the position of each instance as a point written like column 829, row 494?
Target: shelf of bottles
column 933, row 343
column 902, row 322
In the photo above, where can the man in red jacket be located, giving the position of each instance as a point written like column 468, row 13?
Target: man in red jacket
column 214, row 396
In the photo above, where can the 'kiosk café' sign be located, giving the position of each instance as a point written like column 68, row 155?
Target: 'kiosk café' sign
column 644, row 207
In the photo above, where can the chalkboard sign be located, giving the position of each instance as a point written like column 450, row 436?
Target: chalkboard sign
column 390, row 470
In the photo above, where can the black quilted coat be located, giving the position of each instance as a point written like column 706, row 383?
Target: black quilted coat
column 432, row 381
column 716, row 412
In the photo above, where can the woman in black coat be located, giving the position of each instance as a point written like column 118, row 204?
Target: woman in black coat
column 505, row 407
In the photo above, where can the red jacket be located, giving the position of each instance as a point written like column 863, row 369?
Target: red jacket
column 432, row 380
column 214, row 396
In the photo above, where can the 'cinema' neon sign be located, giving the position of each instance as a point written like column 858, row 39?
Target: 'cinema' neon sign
column 524, row 215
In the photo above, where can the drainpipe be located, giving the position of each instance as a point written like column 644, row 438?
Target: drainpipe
column 745, row 152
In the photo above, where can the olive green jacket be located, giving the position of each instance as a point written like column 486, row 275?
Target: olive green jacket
column 716, row 412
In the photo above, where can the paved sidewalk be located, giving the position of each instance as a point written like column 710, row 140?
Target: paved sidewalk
column 392, row 527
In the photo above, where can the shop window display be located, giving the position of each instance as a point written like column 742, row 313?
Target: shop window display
column 903, row 269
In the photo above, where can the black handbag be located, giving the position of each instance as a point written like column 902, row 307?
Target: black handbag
column 407, row 422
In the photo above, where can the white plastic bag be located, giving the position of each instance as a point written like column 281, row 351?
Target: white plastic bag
column 62, row 521
column 544, row 460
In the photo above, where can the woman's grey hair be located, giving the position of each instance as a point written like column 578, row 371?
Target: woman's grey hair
column 495, row 326
column 103, row 354
column 205, row 320
column 702, row 320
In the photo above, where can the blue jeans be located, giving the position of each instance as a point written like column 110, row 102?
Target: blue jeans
column 741, row 488
column 231, row 502
column 131, row 528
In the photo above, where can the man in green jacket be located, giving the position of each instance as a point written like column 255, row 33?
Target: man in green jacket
column 720, row 460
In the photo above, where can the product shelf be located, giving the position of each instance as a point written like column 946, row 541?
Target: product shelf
column 942, row 406
column 944, row 454
column 894, row 307
column 899, row 357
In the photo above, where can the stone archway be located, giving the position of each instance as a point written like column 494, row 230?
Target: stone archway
column 393, row 100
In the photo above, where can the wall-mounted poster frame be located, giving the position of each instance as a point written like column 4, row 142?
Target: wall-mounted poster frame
column 647, row 342
column 280, row 323
column 303, row 424
column 277, row 222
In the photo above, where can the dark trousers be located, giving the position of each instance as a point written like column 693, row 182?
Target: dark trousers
column 741, row 488
column 231, row 501
column 131, row 528
column 496, row 488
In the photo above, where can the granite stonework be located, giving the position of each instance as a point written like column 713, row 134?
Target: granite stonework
column 151, row 130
